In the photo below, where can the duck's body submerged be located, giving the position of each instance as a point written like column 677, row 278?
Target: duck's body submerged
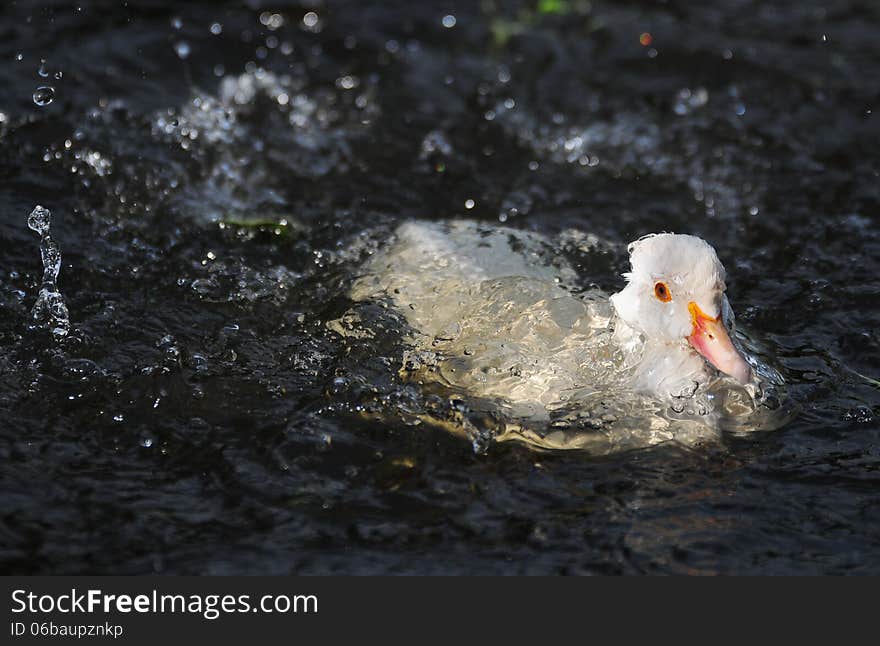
column 493, row 315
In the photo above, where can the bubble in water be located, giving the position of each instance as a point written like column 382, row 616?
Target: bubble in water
column 216, row 28
column 182, row 48
column 58, row 75
column 449, row 21
column 49, row 310
column 42, row 71
column 176, row 22
column 44, row 95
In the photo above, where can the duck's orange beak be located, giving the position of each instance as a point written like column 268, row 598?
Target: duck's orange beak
column 709, row 337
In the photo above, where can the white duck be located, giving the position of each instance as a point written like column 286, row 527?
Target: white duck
column 494, row 317
column 674, row 304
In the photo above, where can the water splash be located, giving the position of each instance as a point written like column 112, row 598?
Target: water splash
column 492, row 322
column 312, row 132
column 636, row 144
column 49, row 311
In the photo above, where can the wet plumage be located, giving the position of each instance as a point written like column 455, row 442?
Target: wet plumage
column 488, row 307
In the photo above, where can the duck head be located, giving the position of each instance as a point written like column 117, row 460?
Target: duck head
column 675, row 294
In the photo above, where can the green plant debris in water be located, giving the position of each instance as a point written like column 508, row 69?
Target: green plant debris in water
column 554, row 7
column 504, row 28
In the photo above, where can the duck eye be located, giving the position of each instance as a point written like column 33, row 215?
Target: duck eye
column 661, row 291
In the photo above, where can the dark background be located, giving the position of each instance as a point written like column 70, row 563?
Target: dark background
column 200, row 418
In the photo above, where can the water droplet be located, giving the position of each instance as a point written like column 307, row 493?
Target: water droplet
column 39, row 220
column 689, row 100
column 42, row 69
column 449, row 21
column 469, row 204
column 275, row 20
column 310, row 20
column 199, row 362
column 44, row 95
column 183, row 50
column 347, row 82
column 435, row 142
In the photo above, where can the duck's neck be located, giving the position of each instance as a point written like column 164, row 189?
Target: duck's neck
column 660, row 368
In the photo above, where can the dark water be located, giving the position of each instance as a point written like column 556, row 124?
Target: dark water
column 199, row 416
